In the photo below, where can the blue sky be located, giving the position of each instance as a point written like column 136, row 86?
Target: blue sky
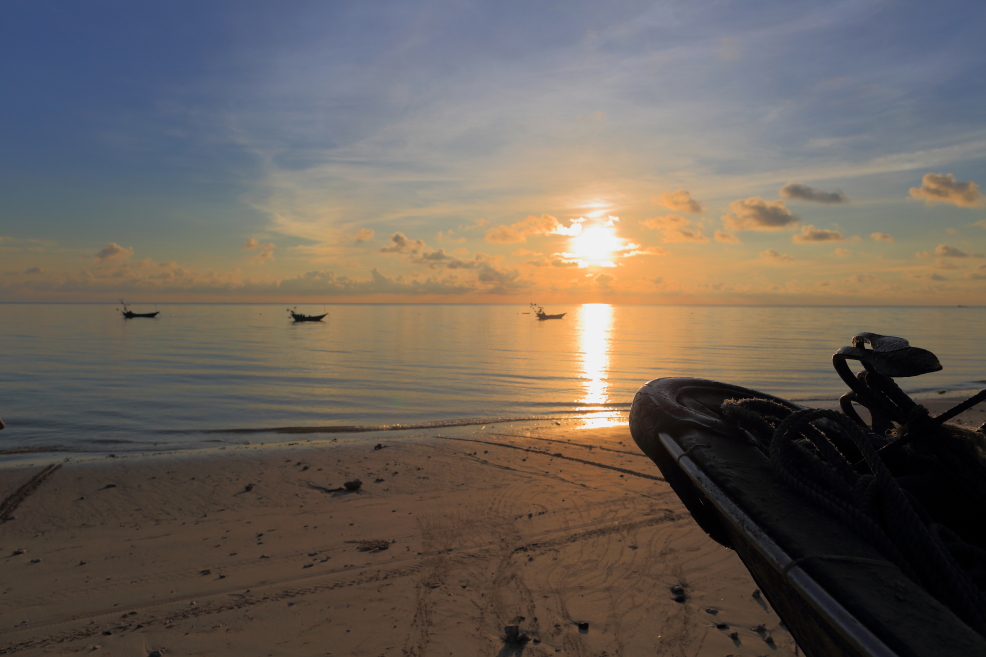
column 396, row 151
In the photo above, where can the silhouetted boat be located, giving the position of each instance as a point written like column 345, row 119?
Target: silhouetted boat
column 299, row 317
column 129, row 314
column 541, row 315
column 745, row 470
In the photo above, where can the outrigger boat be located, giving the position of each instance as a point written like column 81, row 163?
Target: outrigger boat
column 129, row 314
column 299, row 317
column 867, row 540
column 541, row 315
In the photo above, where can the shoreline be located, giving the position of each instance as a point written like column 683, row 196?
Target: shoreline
column 448, row 541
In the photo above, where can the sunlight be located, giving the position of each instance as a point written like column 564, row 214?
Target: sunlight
column 597, row 244
column 595, row 324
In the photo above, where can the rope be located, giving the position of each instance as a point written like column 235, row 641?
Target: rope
column 808, row 450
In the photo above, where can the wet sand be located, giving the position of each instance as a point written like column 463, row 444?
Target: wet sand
column 447, row 543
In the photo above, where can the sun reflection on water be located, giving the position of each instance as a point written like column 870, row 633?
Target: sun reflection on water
column 595, row 326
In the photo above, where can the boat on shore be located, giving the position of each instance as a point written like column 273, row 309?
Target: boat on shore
column 838, row 571
column 129, row 314
column 301, row 317
column 541, row 315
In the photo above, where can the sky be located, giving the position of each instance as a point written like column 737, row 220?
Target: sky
column 493, row 152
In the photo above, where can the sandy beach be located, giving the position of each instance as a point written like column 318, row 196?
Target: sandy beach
column 568, row 533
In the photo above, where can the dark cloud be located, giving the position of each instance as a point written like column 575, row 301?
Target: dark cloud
column 811, row 234
column 727, row 237
column 34, row 270
column 805, row 193
column 399, row 243
column 881, row 237
column 754, row 213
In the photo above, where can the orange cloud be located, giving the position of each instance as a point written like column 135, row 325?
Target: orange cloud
column 680, row 201
column 531, row 226
column 675, row 228
column 938, row 188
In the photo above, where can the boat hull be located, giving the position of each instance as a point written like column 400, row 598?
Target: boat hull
column 130, row 315
column 835, row 592
column 307, row 318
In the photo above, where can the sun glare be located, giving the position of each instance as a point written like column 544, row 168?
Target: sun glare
column 597, row 244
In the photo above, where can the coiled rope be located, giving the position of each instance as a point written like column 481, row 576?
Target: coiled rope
column 837, row 462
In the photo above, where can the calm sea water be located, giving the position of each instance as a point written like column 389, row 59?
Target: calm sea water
column 81, row 379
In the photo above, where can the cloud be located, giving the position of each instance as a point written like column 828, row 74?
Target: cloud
column 265, row 252
column 648, row 250
column 811, row 234
column 929, row 276
column 113, row 252
column 755, row 213
column 34, row 270
column 841, row 253
column 978, row 273
column 862, row 278
column 680, row 201
column 556, row 262
column 805, row 193
column 604, row 280
column 723, row 236
column 363, row 235
column 946, row 251
column 401, row 244
column 881, row 237
column 770, row 255
column 675, row 228
column 937, row 188
column 519, row 231
column 981, row 222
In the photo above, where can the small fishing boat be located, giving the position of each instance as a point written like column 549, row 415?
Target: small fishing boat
column 541, row 315
column 867, row 540
column 300, row 317
column 129, row 314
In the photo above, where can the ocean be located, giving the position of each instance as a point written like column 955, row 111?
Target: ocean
column 79, row 379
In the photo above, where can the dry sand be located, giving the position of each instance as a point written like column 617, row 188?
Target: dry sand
column 448, row 541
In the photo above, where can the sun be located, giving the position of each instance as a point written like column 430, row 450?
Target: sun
column 597, row 244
